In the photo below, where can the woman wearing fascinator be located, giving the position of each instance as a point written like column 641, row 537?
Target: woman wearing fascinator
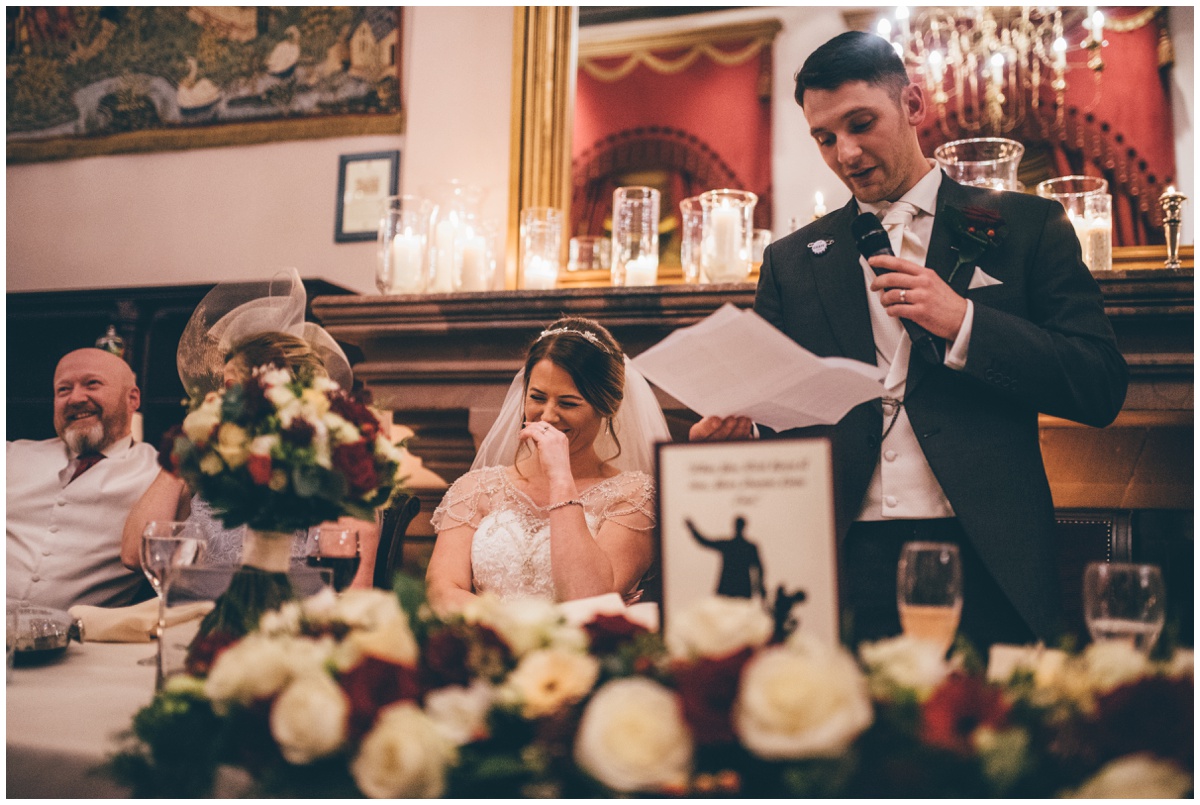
column 236, row 328
column 559, row 503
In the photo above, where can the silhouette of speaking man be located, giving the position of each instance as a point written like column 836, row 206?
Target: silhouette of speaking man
column 741, row 569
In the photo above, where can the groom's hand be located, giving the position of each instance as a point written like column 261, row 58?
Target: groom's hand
column 721, row 429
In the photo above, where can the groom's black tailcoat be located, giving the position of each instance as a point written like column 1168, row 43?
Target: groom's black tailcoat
column 1041, row 343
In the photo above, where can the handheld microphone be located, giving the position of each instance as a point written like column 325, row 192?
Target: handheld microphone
column 872, row 239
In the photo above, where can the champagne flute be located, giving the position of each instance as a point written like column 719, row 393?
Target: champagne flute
column 335, row 547
column 1124, row 602
column 929, row 592
column 166, row 546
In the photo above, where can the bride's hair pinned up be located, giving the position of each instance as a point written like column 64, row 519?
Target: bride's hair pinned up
column 590, row 355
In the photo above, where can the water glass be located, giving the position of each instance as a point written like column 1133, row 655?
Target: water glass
column 335, row 548
column 635, row 236
column 403, row 241
column 929, row 591
column 167, row 545
column 589, row 253
column 1124, row 602
column 541, row 247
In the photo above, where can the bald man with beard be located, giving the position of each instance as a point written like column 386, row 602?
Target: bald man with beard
column 68, row 496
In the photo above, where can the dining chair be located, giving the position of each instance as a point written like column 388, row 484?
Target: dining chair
column 389, row 558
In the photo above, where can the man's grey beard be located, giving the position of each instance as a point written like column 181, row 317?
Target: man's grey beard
column 82, row 440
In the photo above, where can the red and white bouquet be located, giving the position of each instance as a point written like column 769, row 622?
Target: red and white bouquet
column 363, row 695
column 282, row 453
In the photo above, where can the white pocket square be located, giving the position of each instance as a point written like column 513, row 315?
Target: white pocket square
column 980, row 279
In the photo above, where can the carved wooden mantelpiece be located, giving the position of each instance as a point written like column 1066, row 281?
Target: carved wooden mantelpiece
column 443, row 362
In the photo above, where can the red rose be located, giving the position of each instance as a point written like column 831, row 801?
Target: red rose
column 608, row 633
column 707, row 688
column 958, row 707
column 373, row 684
column 259, row 468
column 355, row 462
column 355, row 413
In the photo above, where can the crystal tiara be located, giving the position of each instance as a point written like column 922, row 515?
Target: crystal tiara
column 590, row 336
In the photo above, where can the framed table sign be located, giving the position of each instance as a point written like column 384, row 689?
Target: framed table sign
column 754, row 520
column 364, row 183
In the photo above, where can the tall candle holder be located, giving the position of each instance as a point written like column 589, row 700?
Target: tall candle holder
column 728, row 232
column 1089, row 209
column 692, row 218
column 403, row 241
column 990, row 162
column 1171, row 202
column 635, row 236
column 456, row 217
column 541, row 247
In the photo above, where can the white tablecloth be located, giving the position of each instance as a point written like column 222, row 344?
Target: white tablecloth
column 64, row 719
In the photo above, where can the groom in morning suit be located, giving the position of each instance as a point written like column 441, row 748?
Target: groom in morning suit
column 951, row 452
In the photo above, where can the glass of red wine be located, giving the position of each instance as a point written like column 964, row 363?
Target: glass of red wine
column 334, row 547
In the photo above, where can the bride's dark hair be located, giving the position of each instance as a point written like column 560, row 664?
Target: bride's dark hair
column 587, row 352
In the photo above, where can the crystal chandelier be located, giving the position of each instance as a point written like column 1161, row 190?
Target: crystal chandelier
column 987, row 70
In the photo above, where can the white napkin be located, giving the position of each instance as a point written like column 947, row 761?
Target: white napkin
column 981, row 279
column 135, row 624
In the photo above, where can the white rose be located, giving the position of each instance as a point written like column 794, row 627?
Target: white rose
column 391, row 640
column 526, row 624
column 198, row 426
column 1113, row 663
column 264, row 445
column 367, row 608
column 901, row 662
column 211, row 464
column 322, row 605
column 258, row 666
column 461, row 713
column 801, row 700
column 325, row 384
column 279, row 396
column 315, row 400
column 282, row 621
column 341, row 431
column 717, row 627
column 403, row 756
column 273, row 376
column 632, row 737
column 231, row 444
column 1140, row 776
column 288, row 411
column 308, row 720
column 546, row 680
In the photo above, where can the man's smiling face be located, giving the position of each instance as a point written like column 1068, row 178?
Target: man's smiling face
column 94, row 399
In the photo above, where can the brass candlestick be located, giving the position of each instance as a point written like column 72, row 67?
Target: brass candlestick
column 1171, row 202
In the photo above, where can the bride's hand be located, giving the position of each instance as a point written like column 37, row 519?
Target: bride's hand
column 551, row 446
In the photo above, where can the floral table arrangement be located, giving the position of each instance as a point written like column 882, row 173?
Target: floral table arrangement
column 278, row 453
column 370, row 694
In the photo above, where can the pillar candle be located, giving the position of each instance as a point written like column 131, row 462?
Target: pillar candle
column 406, row 264
column 642, row 271
column 474, row 264
column 541, row 274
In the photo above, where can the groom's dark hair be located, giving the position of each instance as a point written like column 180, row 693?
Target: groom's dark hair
column 852, row 56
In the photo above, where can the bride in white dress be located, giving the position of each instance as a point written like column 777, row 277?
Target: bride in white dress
column 559, row 503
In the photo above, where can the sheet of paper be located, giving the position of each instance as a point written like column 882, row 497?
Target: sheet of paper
column 735, row 363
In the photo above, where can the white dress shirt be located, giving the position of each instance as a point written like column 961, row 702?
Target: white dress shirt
column 64, row 537
column 903, row 485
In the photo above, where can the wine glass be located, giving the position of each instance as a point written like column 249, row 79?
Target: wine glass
column 929, row 592
column 334, row 547
column 1124, row 602
column 166, row 546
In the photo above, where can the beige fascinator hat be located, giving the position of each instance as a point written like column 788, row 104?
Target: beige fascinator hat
column 235, row 311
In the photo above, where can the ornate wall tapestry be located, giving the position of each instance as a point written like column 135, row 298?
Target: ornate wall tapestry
column 87, row 80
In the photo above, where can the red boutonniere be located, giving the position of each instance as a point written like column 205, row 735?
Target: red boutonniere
column 974, row 231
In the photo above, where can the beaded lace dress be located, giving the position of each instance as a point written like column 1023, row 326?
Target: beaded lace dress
column 510, row 551
column 225, row 544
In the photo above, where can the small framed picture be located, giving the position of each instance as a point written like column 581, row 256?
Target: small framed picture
column 364, row 182
column 753, row 520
